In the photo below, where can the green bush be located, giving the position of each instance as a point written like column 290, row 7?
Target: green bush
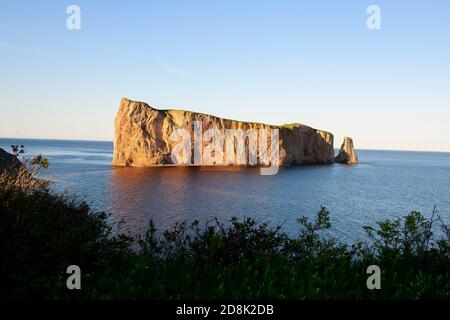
column 41, row 233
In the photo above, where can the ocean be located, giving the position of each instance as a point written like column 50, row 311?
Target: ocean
column 385, row 184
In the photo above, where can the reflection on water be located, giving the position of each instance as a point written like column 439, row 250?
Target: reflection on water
column 170, row 194
column 385, row 184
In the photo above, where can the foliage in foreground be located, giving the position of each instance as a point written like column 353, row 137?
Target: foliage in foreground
column 41, row 233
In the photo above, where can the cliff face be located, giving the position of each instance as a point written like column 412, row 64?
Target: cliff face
column 347, row 153
column 144, row 137
column 8, row 163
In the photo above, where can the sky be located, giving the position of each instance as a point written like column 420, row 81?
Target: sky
column 312, row 62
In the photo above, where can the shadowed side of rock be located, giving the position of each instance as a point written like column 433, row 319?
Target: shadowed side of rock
column 8, row 162
column 347, row 153
column 142, row 136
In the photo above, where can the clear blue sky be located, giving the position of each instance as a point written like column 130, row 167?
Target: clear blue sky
column 278, row 62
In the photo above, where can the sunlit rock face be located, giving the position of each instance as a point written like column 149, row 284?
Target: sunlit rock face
column 145, row 136
column 347, row 153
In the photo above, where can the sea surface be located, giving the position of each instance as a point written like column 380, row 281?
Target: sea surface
column 385, row 184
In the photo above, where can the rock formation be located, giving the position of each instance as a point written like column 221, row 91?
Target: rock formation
column 144, row 137
column 347, row 154
column 8, row 162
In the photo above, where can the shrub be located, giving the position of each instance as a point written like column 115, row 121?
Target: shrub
column 41, row 233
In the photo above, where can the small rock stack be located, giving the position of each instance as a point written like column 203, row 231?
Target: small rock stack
column 347, row 154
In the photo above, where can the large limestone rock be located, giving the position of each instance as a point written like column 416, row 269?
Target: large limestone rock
column 8, row 163
column 143, row 137
column 347, row 154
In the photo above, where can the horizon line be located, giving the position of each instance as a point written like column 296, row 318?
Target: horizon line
column 112, row 141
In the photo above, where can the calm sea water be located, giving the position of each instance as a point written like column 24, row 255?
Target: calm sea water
column 385, row 184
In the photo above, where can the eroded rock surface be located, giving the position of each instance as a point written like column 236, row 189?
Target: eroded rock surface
column 143, row 137
column 347, row 153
